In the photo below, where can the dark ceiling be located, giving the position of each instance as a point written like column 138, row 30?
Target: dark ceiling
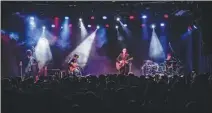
column 198, row 12
column 89, row 8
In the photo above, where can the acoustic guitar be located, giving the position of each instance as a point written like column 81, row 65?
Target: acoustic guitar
column 73, row 67
column 122, row 63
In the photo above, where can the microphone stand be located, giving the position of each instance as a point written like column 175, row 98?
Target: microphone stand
column 130, row 68
column 178, row 60
column 21, row 70
column 175, row 56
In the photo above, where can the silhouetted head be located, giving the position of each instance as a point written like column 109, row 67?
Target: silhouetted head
column 29, row 53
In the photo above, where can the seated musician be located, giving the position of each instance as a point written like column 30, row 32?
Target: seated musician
column 169, row 58
column 123, row 66
column 73, row 65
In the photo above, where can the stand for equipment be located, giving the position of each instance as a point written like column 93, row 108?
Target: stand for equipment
column 130, row 68
column 21, row 69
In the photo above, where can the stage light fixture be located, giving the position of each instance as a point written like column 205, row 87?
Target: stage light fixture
column 44, row 27
column 117, row 27
column 80, row 19
column 92, row 17
column 107, row 25
column 97, row 26
column 66, row 17
column 132, row 17
column 153, row 26
column 189, row 28
column 162, row 24
column 53, row 25
column 32, row 18
column 195, row 26
column 166, row 16
column 118, row 19
column 89, row 25
column 144, row 16
column 125, row 25
column 104, row 17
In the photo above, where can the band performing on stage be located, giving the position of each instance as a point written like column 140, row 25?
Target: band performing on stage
column 171, row 66
column 75, row 57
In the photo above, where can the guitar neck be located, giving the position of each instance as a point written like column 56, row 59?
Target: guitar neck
column 129, row 59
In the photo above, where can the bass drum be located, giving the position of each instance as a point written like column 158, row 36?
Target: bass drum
column 162, row 68
column 154, row 68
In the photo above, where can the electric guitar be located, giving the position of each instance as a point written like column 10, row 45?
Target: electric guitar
column 122, row 63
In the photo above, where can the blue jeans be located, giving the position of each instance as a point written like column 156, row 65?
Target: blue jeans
column 77, row 72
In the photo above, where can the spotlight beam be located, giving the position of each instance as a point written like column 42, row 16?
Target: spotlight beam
column 120, row 37
column 124, row 26
column 65, row 35
column 156, row 51
column 42, row 52
column 83, row 30
column 83, row 50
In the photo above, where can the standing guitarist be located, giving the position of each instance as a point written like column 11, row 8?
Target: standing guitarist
column 73, row 66
column 31, row 65
column 122, row 63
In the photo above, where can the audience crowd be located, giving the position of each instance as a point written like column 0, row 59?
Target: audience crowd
column 107, row 94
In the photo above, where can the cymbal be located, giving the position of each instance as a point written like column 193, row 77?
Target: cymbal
column 172, row 61
column 148, row 61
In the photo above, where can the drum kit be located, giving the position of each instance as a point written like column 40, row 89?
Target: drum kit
column 168, row 67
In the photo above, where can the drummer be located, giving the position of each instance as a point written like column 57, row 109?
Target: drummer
column 169, row 58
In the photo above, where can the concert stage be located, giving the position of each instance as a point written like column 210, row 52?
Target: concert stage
column 134, row 57
column 160, row 40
